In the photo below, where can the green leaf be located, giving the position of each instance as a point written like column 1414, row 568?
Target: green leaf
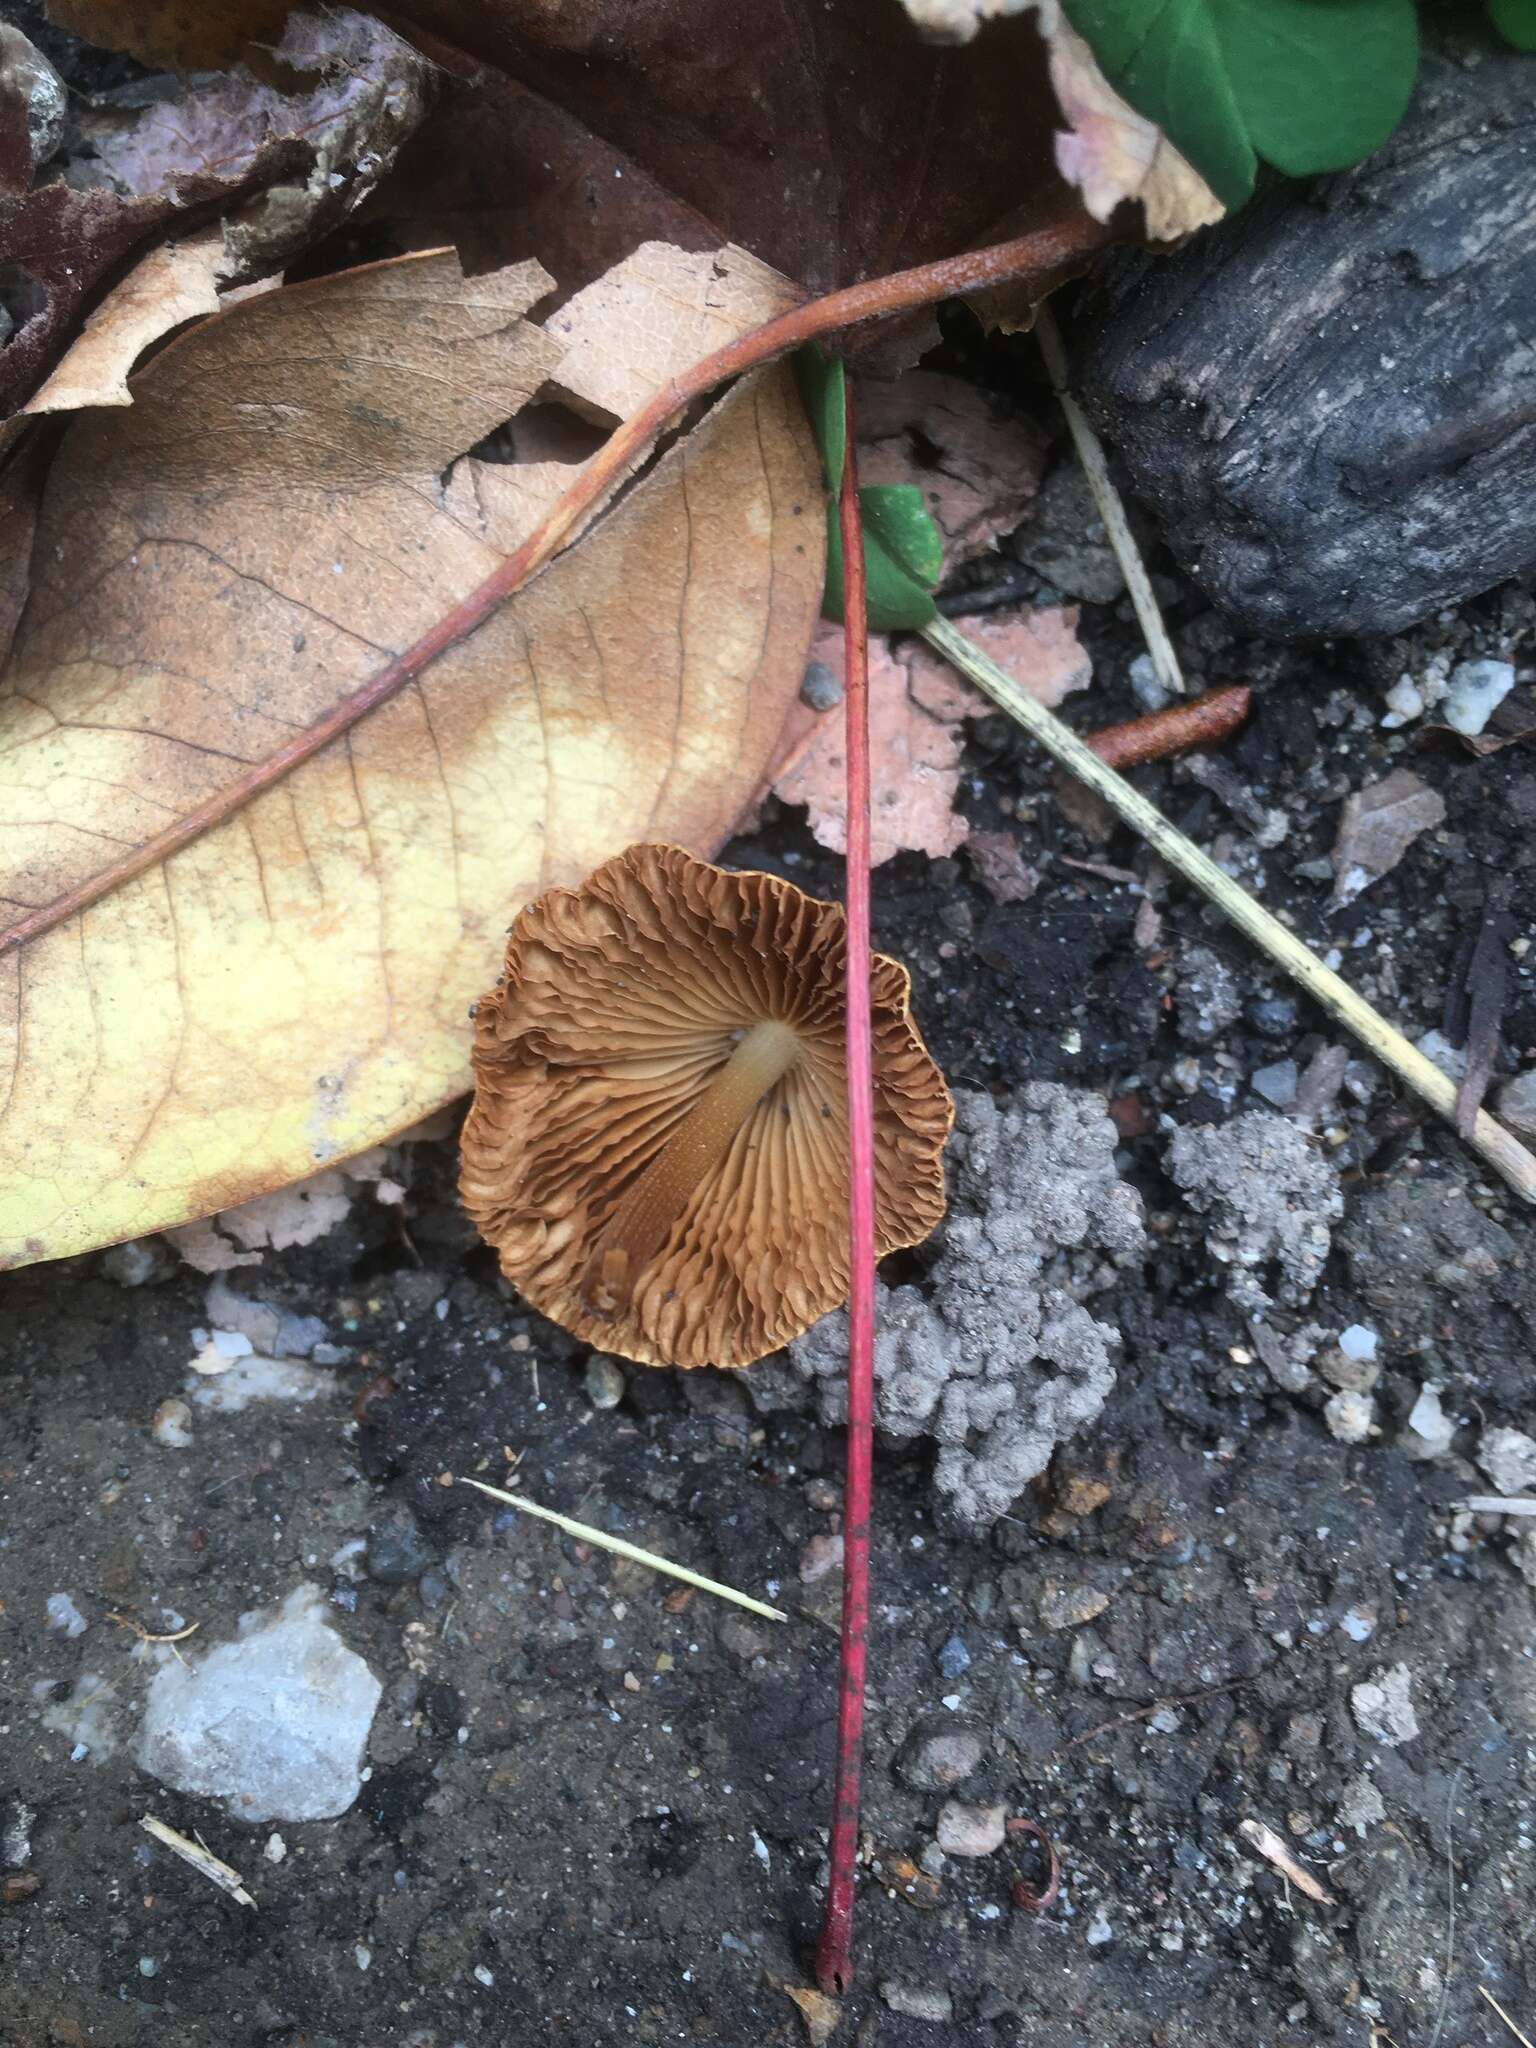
column 1308, row 85
column 903, row 555
column 1515, row 21
column 822, row 393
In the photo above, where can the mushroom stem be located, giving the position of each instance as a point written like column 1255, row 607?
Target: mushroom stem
column 638, row 1228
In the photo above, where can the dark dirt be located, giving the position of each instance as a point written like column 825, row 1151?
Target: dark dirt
column 598, row 1809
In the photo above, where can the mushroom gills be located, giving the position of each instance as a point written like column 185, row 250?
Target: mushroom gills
column 639, row 1227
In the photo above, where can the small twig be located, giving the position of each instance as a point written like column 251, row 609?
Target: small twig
column 1524, row 2039
column 1497, row 1504
column 1173, row 1699
column 834, row 1951
column 1204, row 721
column 585, row 1533
column 1090, row 453
column 201, row 1859
column 1273, row 1850
column 1489, row 1139
column 144, row 1635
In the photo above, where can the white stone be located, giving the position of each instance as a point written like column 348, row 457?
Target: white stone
column 970, row 1830
column 172, row 1425
column 261, row 1379
column 1349, row 1416
column 275, row 1848
column 273, row 1723
column 1508, row 1456
column 1361, row 1806
column 64, row 1617
column 1383, row 1708
column 1429, row 1432
column 1477, row 690
column 1358, row 1341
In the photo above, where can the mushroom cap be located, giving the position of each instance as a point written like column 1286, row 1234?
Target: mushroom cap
column 621, row 1001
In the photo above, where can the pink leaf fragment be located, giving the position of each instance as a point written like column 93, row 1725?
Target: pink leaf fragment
column 916, row 706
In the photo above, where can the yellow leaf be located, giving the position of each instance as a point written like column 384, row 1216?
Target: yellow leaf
column 221, row 564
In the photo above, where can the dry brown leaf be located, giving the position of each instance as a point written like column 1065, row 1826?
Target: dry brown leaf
column 977, row 466
column 292, row 986
column 173, row 35
column 625, row 332
column 916, row 703
column 1108, row 151
column 172, row 284
column 312, row 152
column 1377, row 826
column 1111, row 154
column 819, row 2012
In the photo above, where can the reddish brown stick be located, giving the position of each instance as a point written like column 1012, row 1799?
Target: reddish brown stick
column 1202, row 722
column 834, row 1952
column 1042, row 255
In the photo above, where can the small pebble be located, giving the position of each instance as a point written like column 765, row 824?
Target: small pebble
column 970, row 1830
column 1358, row 1341
column 1429, row 1431
column 64, row 1617
column 603, row 1381
column 1508, row 1456
column 171, row 1425
column 1349, row 1416
column 1277, row 1084
column 820, row 688
column 1517, row 1102
column 1383, row 1708
column 932, row 1761
column 1146, row 687
column 275, row 1849
column 954, row 1659
column 1477, row 690
column 918, row 2001
column 823, row 1554
column 1099, row 1930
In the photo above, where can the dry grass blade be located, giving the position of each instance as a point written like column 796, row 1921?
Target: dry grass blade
column 1523, row 2038
column 201, row 1859
column 1269, row 1845
column 601, row 1540
column 1489, row 1139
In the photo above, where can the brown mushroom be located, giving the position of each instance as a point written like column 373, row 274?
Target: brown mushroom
column 658, row 1146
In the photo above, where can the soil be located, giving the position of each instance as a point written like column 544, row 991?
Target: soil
column 597, row 1807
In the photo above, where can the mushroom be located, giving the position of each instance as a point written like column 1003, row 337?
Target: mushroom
column 658, row 1145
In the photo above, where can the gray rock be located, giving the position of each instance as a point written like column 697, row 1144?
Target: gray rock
column 970, row 1830
column 1508, row 1456
column 820, row 689
column 397, row 1550
column 1277, row 1084
column 939, row 1754
column 954, row 1659
column 1477, row 690
column 139, row 1263
column 604, row 1381
column 1429, row 1432
column 1335, row 444
column 1383, row 1706
column 918, row 2001
column 1065, row 541
column 274, row 1723
column 1517, row 1103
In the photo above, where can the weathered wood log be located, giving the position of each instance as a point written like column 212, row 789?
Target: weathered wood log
column 1330, row 400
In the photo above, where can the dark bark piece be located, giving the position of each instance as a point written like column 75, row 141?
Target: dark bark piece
column 1330, row 400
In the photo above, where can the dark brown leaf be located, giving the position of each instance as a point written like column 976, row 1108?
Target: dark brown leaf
column 831, row 141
